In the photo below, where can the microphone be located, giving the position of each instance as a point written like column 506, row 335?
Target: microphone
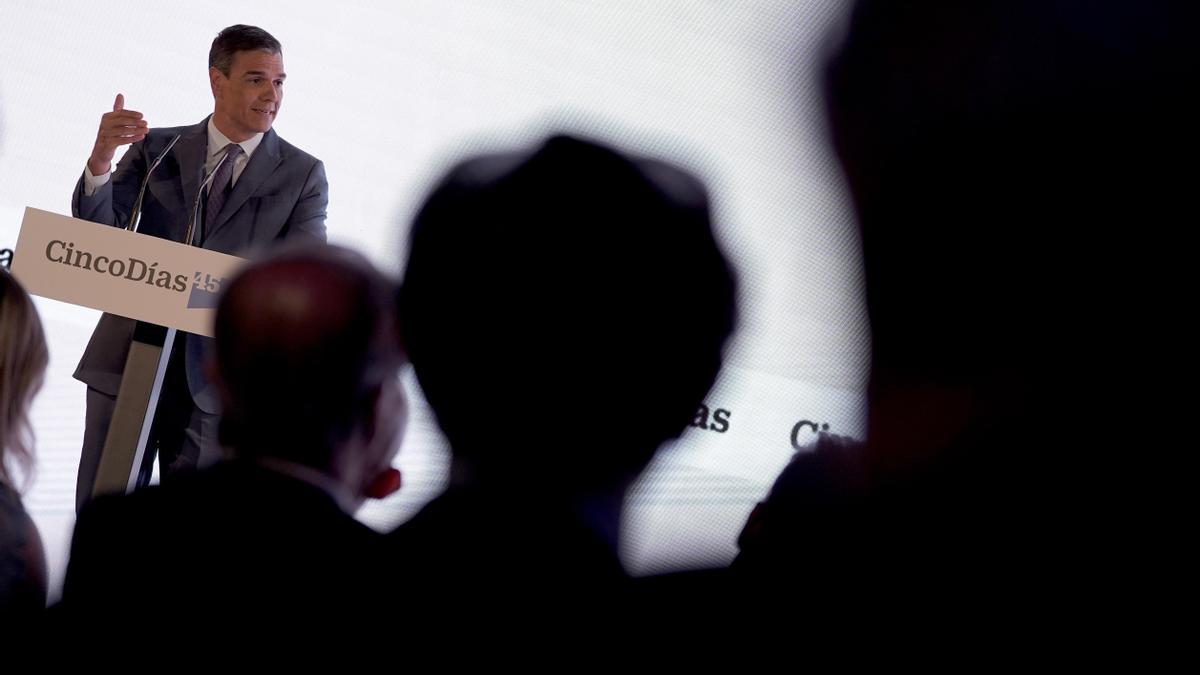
column 187, row 238
column 135, row 216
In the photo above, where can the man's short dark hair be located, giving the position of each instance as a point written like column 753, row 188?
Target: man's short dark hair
column 240, row 38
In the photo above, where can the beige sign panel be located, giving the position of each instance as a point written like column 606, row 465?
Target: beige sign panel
column 121, row 272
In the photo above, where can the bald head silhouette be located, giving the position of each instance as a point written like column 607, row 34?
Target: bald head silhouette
column 307, row 360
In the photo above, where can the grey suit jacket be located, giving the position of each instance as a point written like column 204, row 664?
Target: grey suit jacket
column 281, row 193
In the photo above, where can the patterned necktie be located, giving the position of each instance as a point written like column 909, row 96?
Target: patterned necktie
column 220, row 187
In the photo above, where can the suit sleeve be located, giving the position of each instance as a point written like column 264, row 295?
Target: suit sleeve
column 112, row 202
column 308, row 218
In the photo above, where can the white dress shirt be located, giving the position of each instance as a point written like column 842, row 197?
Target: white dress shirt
column 216, row 143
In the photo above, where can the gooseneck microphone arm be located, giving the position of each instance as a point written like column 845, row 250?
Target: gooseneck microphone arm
column 191, row 228
column 135, row 216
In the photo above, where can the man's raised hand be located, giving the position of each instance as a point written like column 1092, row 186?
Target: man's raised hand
column 119, row 127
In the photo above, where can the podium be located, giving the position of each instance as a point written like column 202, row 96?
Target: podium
column 164, row 285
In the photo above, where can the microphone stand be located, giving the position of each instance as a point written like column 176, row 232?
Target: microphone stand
column 135, row 216
column 191, row 228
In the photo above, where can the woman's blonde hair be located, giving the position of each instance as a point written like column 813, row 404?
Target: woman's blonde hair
column 23, row 360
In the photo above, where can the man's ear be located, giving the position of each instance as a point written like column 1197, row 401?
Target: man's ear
column 369, row 412
column 215, row 80
column 385, row 411
column 381, row 424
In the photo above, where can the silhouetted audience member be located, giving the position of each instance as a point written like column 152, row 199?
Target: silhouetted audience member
column 307, row 357
column 565, row 309
column 804, row 513
column 23, row 359
column 1009, row 162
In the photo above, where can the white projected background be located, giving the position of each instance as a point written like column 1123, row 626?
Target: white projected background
column 388, row 95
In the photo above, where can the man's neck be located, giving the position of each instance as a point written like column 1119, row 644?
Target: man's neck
column 227, row 131
column 325, row 482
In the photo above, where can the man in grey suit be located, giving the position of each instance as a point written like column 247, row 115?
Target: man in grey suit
column 262, row 189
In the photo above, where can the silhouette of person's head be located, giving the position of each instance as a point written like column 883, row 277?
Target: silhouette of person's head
column 565, row 310
column 307, row 359
column 1002, row 157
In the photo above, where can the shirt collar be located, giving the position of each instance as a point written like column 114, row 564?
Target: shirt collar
column 217, row 141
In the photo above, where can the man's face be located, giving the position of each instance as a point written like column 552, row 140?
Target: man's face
column 248, row 100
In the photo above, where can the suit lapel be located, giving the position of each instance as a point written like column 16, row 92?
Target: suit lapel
column 189, row 153
column 260, row 167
